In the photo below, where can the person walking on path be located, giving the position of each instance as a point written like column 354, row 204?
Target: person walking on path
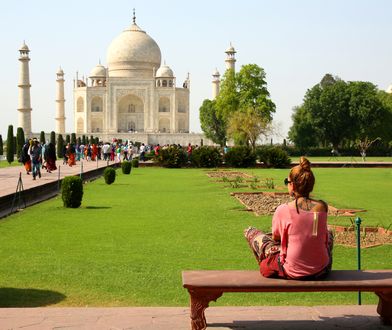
column 25, row 157
column 50, row 157
column 35, row 152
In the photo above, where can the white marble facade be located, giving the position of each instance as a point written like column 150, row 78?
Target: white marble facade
column 135, row 93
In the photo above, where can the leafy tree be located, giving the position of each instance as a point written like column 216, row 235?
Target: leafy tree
column 20, row 140
column 246, row 92
column 246, row 127
column 212, row 123
column 303, row 133
column 53, row 137
column 253, row 92
column 73, row 138
column 10, row 144
column 60, row 146
column 384, row 130
column 42, row 137
column 1, row 145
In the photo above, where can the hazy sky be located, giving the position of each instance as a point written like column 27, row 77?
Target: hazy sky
column 296, row 42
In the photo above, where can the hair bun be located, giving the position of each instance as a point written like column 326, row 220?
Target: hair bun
column 304, row 164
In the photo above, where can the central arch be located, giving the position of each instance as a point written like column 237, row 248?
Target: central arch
column 130, row 114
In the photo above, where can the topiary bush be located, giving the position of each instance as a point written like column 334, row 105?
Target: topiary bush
column 241, row 156
column 273, row 156
column 172, row 157
column 135, row 162
column 72, row 191
column 109, row 174
column 126, row 167
column 206, row 157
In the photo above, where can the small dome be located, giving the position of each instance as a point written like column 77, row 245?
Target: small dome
column 389, row 89
column 24, row 47
column 230, row 49
column 216, row 73
column 164, row 72
column 98, row 71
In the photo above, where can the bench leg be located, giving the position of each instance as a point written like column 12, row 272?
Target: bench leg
column 384, row 307
column 199, row 302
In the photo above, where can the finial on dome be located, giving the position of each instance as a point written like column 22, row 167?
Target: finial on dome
column 134, row 16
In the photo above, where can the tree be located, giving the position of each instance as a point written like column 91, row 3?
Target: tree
column 79, row 141
column 42, row 137
column 73, row 138
column 20, row 141
column 253, row 92
column 53, row 137
column 1, row 145
column 212, row 123
column 246, row 127
column 60, row 146
column 84, row 139
column 10, row 144
column 67, row 139
column 242, row 92
column 302, row 132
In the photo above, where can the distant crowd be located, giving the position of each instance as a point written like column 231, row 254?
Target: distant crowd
column 36, row 156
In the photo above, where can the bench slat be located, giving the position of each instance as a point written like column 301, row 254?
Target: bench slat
column 245, row 280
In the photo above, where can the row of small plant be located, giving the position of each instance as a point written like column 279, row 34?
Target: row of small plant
column 209, row 157
column 253, row 184
column 72, row 186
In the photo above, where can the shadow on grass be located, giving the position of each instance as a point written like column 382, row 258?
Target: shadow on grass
column 98, row 207
column 15, row 297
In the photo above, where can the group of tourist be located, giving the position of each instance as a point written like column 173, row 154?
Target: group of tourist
column 35, row 156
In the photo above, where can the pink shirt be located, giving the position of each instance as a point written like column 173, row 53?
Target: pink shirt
column 304, row 240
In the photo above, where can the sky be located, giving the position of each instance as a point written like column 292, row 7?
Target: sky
column 295, row 42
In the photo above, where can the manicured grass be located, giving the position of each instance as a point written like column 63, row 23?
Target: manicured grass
column 129, row 242
column 346, row 159
column 4, row 163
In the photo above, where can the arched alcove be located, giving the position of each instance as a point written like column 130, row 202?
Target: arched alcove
column 80, row 104
column 130, row 110
column 164, row 125
column 164, row 104
column 96, row 104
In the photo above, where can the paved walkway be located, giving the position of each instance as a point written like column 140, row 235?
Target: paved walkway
column 9, row 176
column 177, row 318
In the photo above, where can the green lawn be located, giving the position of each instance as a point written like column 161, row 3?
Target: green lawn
column 129, row 242
column 4, row 163
column 346, row 159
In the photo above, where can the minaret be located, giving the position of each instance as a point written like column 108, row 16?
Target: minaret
column 24, row 105
column 60, row 103
column 230, row 58
column 215, row 84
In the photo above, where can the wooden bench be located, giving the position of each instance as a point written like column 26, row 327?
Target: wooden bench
column 208, row 285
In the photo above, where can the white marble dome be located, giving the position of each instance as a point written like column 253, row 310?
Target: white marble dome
column 133, row 54
column 98, row 71
column 164, row 72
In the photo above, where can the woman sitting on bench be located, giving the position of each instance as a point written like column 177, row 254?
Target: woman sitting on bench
column 300, row 246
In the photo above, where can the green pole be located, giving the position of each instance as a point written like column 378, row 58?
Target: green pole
column 358, row 225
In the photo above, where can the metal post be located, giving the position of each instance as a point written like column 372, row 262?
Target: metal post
column 58, row 180
column 358, row 226
column 81, row 170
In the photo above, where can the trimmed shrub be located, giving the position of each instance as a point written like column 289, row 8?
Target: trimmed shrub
column 10, row 144
column 73, row 138
column 72, row 191
column 241, row 156
column 42, row 137
column 1, row 145
column 60, row 146
column 126, row 167
column 109, row 174
column 53, row 137
column 135, row 162
column 20, row 141
column 67, row 139
column 172, row 157
column 273, row 156
column 206, row 157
